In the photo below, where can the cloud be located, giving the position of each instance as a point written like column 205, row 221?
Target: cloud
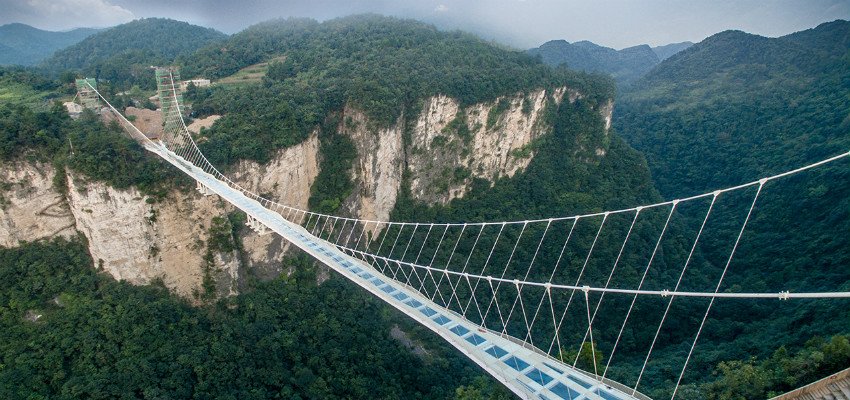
column 65, row 14
column 441, row 8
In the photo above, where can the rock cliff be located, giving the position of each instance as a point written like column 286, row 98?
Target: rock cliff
column 287, row 179
column 452, row 145
column 139, row 240
column 449, row 146
column 30, row 207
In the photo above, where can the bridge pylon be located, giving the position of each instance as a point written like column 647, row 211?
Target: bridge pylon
column 87, row 93
column 203, row 189
column 257, row 226
column 168, row 90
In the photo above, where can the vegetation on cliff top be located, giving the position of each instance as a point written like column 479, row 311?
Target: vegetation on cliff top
column 98, row 151
column 382, row 66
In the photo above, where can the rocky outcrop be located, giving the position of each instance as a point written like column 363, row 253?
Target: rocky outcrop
column 30, row 208
column 378, row 168
column 138, row 240
column 449, row 146
column 135, row 240
column 453, row 145
column 128, row 236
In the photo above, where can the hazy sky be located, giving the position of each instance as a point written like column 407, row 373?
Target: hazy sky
column 520, row 23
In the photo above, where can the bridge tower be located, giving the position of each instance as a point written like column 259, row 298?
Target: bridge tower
column 168, row 90
column 87, row 93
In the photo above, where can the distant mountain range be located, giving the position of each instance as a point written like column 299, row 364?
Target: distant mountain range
column 668, row 50
column 21, row 44
column 626, row 65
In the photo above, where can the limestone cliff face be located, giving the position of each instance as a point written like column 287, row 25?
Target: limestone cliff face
column 286, row 179
column 30, row 208
column 448, row 147
column 445, row 147
column 452, row 145
column 378, row 168
column 138, row 242
column 129, row 238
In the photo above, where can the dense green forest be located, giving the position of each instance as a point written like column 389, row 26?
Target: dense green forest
column 123, row 55
column 732, row 109
column 740, row 102
column 383, row 66
column 70, row 332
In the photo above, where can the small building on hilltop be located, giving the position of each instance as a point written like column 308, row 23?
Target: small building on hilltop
column 197, row 82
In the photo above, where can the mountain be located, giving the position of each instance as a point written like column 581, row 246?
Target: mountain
column 624, row 65
column 390, row 119
column 124, row 53
column 365, row 116
column 664, row 52
column 22, row 44
column 737, row 107
column 754, row 97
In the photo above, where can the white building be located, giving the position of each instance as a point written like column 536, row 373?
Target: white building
column 196, row 82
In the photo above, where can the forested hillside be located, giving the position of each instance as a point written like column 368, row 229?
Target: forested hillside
column 668, row 50
column 22, row 44
column 737, row 107
column 123, row 54
column 383, row 66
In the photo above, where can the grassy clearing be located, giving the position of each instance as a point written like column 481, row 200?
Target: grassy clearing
column 15, row 93
column 250, row 74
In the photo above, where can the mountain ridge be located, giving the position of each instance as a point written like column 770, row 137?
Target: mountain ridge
column 123, row 54
column 625, row 65
column 22, row 44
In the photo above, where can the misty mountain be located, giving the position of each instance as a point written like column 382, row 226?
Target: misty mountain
column 22, row 44
column 664, row 52
column 124, row 53
column 624, row 65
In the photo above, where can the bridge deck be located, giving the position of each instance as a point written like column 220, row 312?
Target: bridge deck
column 525, row 370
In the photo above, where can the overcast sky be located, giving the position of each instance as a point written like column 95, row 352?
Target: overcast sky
column 519, row 23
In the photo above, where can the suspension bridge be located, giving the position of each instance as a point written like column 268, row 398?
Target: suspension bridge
column 522, row 299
